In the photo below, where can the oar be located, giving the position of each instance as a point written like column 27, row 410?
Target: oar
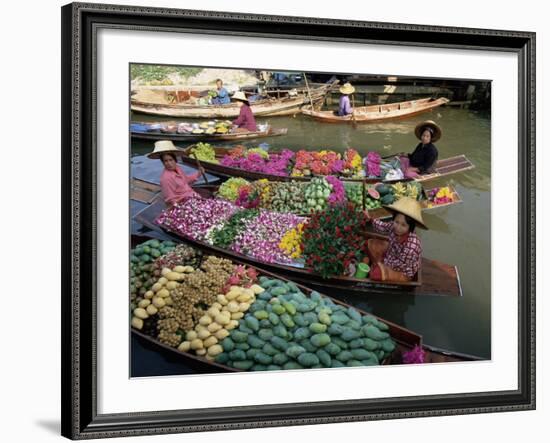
column 308, row 92
column 353, row 121
column 201, row 169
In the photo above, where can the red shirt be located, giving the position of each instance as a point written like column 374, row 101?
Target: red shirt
column 246, row 119
column 404, row 253
column 175, row 185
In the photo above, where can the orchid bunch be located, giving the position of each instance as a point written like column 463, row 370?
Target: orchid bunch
column 195, row 216
column 338, row 193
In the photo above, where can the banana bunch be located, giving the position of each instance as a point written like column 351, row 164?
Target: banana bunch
column 399, row 190
column 412, row 191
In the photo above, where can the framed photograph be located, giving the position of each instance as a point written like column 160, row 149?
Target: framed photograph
column 274, row 221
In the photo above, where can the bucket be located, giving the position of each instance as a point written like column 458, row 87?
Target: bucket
column 362, row 270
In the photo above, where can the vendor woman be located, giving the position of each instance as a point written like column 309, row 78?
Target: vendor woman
column 398, row 258
column 245, row 122
column 424, row 156
column 174, row 183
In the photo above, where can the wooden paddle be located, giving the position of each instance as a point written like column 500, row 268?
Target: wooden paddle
column 201, row 169
column 308, row 92
column 353, row 121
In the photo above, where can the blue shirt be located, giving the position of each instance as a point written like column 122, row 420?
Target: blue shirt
column 345, row 106
column 222, row 98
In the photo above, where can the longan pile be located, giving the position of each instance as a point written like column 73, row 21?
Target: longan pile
column 192, row 297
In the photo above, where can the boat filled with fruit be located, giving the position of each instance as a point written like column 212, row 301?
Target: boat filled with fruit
column 303, row 165
column 304, row 198
column 322, row 249
column 213, row 130
column 221, row 315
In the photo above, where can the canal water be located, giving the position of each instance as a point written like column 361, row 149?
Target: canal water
column 459, row 234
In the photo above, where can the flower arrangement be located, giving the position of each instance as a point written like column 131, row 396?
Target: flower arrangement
column 416, row 355
column 195, row 216
column 333, row 238
column 291, row 243
column 257, row 160
column 440, row 196
column 224, row 235
column 353, row 164
column 261, row 236
column 338, row 193
column 230, row 188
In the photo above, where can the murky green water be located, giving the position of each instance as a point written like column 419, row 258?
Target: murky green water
column 460, row 234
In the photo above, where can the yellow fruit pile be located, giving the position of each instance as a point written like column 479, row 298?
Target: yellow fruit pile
column 219, row 319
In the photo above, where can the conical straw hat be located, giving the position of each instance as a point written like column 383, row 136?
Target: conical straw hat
column 164, row 147
column 436, row 134
column 410, row 207
column 346, row 88
column 239, row 95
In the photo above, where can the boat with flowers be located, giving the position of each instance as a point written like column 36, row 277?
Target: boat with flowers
column 378, row 113
column 268, row 240
column 408, row 346
column 189, row 132
column 303, row 165
column 172, row 102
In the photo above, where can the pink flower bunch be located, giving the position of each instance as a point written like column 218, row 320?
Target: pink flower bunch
column 247, row 200
column 195, row 216
column 373, row 164
column 261, row 236
column 416, row 355
column 338, row 194
column 276, row 164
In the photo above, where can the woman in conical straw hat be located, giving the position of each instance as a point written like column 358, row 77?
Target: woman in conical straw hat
column 424, row 156
column 398, row 258
column 344, row 107
column 174, row 184
column 245, row 122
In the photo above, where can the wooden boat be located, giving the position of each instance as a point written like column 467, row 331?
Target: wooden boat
column 156, row 134
column 378, row 113
column 442, row 168
column 169, row 103
column 210, row 190
column 404, row 338
column 433, row 278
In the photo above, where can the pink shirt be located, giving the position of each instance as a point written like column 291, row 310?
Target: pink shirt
column 175, row 185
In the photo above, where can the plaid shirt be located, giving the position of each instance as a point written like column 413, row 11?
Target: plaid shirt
column 402, row 255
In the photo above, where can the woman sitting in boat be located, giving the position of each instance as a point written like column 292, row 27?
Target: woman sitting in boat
column 245, row 122
column 344, row 107
column 424, row 156
column 222, row 97
column 174, row 184
column 397, row 259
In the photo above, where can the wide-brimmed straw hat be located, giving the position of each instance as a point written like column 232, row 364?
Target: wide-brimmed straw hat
column 164, row 147
column 239, row 95
column 346, row 88
column 410, row 207
column 436, row 130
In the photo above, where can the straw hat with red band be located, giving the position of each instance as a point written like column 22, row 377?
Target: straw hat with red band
column 431, row 126
column 164, row 147
column 409, row 207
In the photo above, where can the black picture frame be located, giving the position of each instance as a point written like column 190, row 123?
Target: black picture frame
column 79, row 209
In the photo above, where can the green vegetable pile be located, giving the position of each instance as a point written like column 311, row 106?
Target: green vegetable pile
column 287, row 197
column 285, row 329
column 204, row 152
column 354, row 193
column 316, row 194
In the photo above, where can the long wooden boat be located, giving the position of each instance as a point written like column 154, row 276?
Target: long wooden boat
column 443, row 168
column 378, row 113
column 168, row 104
column 404, row 338
column 433, row 278
column 210, row 190
column 152, row 134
